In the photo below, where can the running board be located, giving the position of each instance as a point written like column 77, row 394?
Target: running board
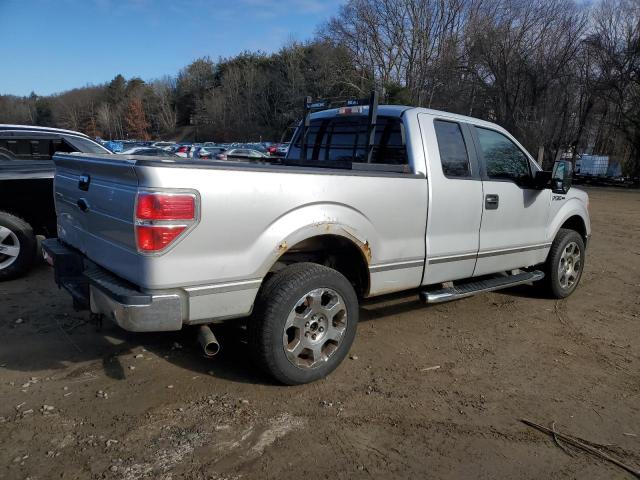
column 467, row 289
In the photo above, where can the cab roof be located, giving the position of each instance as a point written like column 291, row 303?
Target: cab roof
column 399, row 110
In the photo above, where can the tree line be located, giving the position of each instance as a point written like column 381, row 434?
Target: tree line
column 562, row 76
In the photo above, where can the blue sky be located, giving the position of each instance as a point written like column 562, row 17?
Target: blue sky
column 50, row 46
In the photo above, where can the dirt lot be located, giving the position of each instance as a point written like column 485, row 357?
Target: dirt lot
column 131, row 406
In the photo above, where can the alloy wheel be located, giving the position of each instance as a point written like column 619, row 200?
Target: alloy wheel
column 570, row 265
column 315, row 328
column 9, row 247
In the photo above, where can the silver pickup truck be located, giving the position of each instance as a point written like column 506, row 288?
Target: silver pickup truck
column 369, row 200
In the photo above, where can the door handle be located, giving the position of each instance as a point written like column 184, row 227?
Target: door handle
column 83, row 182
column 491, row 201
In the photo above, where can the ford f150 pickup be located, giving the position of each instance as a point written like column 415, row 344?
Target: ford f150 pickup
column 369, row 200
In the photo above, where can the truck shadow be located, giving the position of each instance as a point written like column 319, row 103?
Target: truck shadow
column 51, row 336
column 43, row 335
column 67, row 351
column 181, row 349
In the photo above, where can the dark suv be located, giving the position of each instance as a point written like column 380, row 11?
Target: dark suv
column 26, row 193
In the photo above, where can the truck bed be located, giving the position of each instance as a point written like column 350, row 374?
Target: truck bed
column 249, row 215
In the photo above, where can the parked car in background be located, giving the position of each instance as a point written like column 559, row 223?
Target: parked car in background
column 282, row 150
column 210, row 153
column 113, row 145
column 163, row 145
column 195, row 151
column 148, row 152
column 127, row 144
column 244, row 154
column 181, row 150
column 256, row 146
column 272, row 149
column 26, row 189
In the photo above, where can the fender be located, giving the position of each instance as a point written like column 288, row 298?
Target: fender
column 312, row 220
column 570, row 207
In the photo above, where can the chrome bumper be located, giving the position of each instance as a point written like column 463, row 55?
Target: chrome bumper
column 162, row 313
column 96, row 289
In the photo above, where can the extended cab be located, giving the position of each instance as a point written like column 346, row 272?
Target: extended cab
column 369, row 200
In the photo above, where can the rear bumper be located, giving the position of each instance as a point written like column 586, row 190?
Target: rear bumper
column 94, row 288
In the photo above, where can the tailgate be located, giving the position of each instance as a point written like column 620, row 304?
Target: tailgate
column 95, row 199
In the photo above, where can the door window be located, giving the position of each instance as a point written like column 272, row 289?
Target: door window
column 453, row 150
column 18, row 149
column 503, row 159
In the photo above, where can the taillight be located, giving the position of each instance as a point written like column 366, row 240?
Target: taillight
column 182, row 150
column 161, row 218
column 158, row 206
column 156, row 238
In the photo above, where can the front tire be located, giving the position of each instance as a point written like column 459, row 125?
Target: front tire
column 18, row 246
column 304, row 323
column 565, row 263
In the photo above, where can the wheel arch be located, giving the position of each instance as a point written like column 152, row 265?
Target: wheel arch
column 573, row 215
column 577, row 223
column 330, row 245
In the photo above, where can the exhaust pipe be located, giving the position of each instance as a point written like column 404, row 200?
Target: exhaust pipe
column 208, row 340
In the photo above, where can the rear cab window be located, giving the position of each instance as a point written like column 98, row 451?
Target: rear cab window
column 342, row 141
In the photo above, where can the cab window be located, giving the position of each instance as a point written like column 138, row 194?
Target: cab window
column 344, row 140
column 453, row 150
column 503, row 159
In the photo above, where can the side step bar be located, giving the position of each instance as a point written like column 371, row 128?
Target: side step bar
column 469, row 288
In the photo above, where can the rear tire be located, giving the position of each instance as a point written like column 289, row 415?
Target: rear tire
column 304, row 323
column 18, row 246
column 565, row 263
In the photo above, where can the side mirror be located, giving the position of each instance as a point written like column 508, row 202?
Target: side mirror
column 561, row 176
column 541, row 179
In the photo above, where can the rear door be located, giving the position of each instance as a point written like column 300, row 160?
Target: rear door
column 455, row 203
column 514, row 216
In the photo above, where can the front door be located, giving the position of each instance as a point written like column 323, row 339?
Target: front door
column 514, row 216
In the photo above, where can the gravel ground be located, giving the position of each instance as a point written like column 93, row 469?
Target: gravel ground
column 428, row 392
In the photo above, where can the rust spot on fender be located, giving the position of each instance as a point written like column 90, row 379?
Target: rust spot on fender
column 283, row 247
column 366, row 249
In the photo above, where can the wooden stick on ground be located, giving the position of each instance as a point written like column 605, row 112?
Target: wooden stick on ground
column 555, row 439
column 577, row 443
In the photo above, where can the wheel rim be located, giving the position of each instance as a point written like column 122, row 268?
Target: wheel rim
column 315, row 328
column 570, row 265
column 9, row 247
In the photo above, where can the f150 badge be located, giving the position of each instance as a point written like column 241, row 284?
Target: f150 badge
column 557, row 198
